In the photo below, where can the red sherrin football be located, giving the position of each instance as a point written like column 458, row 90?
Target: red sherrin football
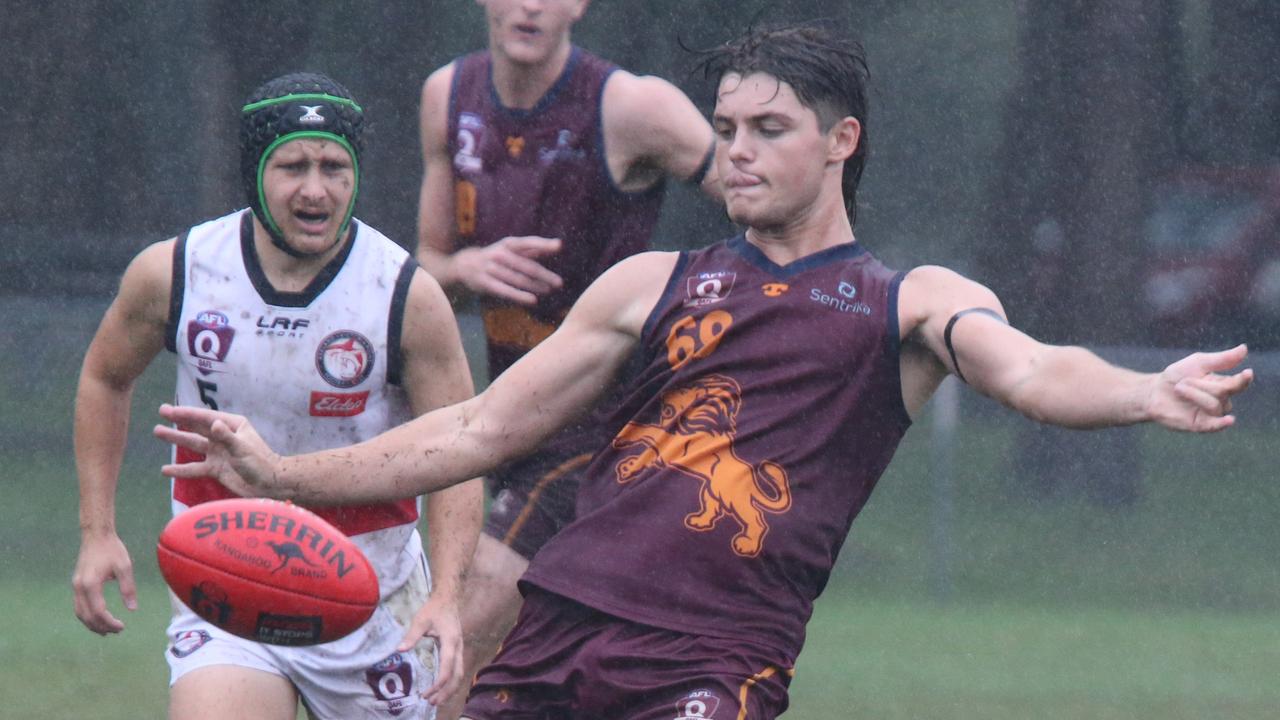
column 267, row 571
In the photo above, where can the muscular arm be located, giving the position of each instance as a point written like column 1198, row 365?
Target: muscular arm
column 436, row 223
column 130, row 335
column 507, row 269
column 652, row 129
column 549, row 387
column 435, row 375
column 1068, row 386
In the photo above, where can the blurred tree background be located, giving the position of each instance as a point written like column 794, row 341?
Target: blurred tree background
column 1026, row 143
column 1019, row 141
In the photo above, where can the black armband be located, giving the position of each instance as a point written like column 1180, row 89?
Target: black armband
column 946, row 334
column 701, row 173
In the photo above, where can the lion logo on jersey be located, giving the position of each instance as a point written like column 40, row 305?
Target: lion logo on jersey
column 696, row 436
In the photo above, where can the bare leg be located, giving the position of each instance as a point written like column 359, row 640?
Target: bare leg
column 228, row 691
column 489, row 608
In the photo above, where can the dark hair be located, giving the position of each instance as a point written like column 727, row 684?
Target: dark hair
column 827, row 72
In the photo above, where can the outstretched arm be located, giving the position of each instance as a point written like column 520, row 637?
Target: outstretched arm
column 1068, row 386
column 549, row 387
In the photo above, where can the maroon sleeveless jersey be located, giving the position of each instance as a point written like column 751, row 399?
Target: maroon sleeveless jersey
column 541, row 172
column 768, row 405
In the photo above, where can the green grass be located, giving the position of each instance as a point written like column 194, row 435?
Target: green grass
column 885, row 660
column 866, row 658
column 55, row 668
column 1168, row 608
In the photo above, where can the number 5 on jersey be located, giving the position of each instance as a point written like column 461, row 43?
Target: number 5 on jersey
column 206, row 393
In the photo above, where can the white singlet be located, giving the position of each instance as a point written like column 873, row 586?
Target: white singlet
column 315, row 369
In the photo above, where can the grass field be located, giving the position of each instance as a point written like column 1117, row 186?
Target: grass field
column 1165, row 609
column 866, row 658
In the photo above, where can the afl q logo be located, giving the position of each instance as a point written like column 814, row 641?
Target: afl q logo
column 345, row 358
column 707, row 288
column 697, row 705
column 209, row 338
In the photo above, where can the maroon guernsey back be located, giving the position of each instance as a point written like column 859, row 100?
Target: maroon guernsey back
column 768, row 406
column 541, row 172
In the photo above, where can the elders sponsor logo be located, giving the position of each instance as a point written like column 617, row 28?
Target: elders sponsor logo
column 774, row 289
column 330, row 404
column 697, row 705
column 209, row 338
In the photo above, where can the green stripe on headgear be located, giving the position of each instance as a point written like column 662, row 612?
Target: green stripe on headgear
column 293, row 107
column 299, row 97
column 270, row 222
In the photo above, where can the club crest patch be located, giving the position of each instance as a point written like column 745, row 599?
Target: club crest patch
column 344, row 359
column 188, row 642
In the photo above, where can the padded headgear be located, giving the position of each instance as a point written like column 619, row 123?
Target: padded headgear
column 298, row 105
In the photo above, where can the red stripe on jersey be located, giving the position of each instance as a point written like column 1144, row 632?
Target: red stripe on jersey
column 350, row 519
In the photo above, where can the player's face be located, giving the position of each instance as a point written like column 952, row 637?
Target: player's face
column 771, row 155
column 308, row 184
column 530, row 32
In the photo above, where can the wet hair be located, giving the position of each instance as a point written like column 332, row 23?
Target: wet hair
column 298, row 105
column 827, row 72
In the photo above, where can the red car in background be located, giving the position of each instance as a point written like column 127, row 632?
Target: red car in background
column 1212, row 242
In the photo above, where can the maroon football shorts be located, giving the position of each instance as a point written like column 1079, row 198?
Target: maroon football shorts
column 533, row 499
column 565, row 661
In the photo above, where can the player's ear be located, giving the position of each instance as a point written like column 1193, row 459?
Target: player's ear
column 580, row 9
column 843, row 139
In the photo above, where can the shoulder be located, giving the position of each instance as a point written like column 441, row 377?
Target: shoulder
column 643, row 267
column 625, row 294
column 145, row 286
column 642, row 98
column 932, row 293
column 636, row 275
column 433, row 106
column 426, row 305
column 437, row 85
column 428, row 317
column 647, row 118
column 154, row 263
column 927, row 281
column 372, row 242
column 928, row 276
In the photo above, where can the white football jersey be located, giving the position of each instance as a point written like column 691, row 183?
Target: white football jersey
column 313, row 370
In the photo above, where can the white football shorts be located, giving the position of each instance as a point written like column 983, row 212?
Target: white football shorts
column 358, row 677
